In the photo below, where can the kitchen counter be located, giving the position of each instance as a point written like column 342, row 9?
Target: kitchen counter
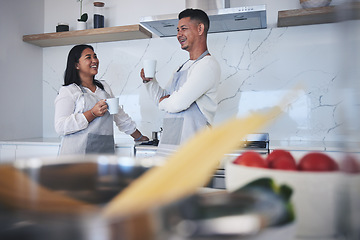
column 57, row 141
column 33, row 141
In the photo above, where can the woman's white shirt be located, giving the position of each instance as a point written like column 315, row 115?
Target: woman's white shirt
column 69, row 108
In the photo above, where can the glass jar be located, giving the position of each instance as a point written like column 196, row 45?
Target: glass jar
column 99, row 18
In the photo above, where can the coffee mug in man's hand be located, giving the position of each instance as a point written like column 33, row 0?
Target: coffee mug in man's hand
column 149, row 68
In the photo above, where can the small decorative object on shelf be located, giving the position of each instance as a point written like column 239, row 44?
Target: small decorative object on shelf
column 99, row 14
column 81, row 22
column 314, row 3
column 62, row 27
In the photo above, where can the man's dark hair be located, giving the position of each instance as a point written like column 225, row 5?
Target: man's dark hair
column 196, row 14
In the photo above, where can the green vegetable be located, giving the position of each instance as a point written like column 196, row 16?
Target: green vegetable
column 267, row 183
column 284, row 192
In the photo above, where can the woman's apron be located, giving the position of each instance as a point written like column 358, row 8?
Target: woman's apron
column 179, row 127
column 98, row 137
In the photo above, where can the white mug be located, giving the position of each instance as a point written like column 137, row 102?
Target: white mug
column 113, row 105
column 149, row 68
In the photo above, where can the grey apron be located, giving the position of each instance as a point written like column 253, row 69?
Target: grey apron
column 98, row 137
column 179, row 127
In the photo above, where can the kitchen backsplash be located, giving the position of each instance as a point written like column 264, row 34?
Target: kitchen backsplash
column 258, row 68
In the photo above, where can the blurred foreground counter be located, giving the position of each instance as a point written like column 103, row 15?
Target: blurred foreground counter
column 109, row 178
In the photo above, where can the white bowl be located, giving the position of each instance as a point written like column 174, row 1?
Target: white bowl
column 314, row 3
column 316, row 196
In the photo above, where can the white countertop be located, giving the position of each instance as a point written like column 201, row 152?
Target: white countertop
column 56, row 141
column 33, row 141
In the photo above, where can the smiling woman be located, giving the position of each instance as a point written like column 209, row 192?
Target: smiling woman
column 81, row 112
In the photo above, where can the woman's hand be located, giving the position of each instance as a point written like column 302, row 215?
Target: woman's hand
column 142, row 75
column 138, row 137
column 99, row 109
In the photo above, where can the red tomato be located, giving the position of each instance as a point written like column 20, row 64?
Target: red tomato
column 350, row 164
column 251, row 159
column 317, row 161
column 281, row 159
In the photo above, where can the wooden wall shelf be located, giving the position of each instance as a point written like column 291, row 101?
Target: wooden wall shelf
column 319, row 15
column 88, row 36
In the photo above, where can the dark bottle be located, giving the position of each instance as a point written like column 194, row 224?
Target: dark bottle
column 99, row 18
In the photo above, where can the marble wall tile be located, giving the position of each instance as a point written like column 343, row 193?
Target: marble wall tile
column 258, row 68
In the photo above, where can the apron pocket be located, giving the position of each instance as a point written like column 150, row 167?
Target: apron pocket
column 172, row 131
column 100, row 144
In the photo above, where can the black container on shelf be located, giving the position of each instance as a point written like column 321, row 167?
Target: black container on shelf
column 62, row 27
column 99, row 19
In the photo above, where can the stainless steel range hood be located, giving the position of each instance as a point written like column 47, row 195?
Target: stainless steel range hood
column 221, row 20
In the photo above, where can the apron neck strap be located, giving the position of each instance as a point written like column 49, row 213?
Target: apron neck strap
column 82, row 89
column 199, row 58
column 202, row 55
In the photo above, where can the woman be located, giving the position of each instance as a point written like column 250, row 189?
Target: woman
column 81, row 115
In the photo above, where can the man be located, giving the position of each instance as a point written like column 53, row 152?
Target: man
column 190, row 101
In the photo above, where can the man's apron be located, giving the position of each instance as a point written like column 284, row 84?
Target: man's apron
column 179, row 127
column 98, row 137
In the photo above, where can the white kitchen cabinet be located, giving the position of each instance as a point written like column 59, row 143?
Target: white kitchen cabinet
column 127, row 150
column 7, row 153
column 145, row 151
column 10, row 151
column 28, row 151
